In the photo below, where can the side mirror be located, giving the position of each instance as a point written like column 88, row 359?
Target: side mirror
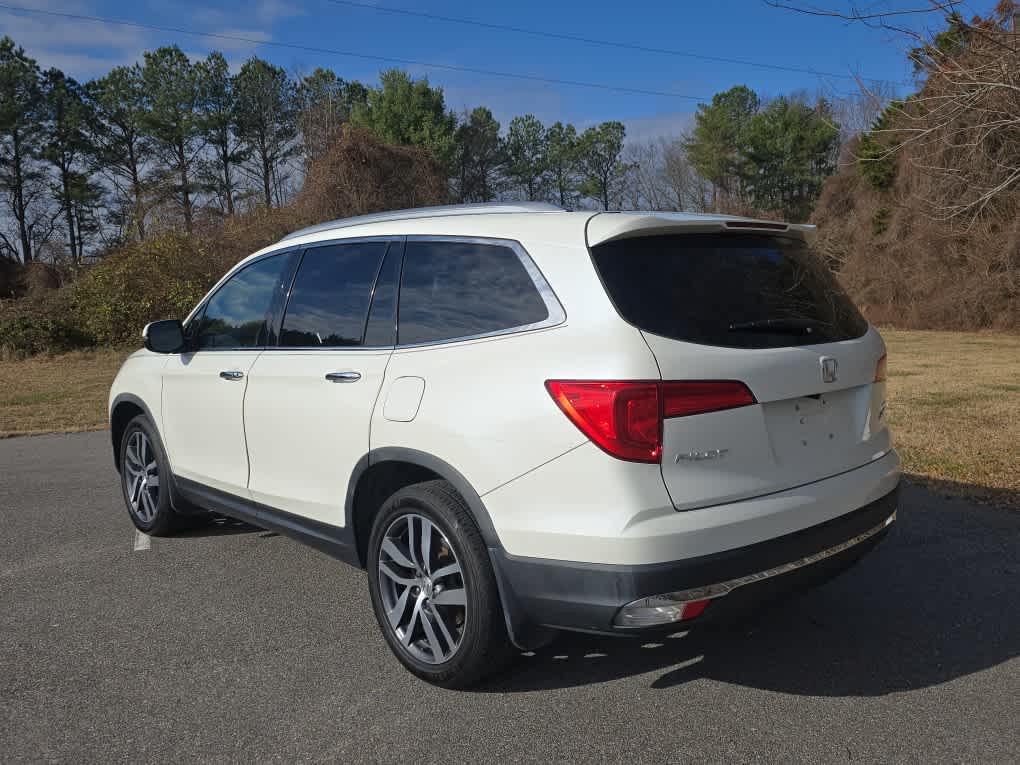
column 164, row 336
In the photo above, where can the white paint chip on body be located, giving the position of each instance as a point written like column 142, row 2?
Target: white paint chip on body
column 142, row 541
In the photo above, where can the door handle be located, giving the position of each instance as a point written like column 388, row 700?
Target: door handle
column 343, row 377
column 232, row 374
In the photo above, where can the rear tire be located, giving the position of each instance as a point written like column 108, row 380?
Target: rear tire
column 433, row 589
column 145, row 479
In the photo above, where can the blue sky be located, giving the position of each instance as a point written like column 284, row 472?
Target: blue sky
column 744, row 29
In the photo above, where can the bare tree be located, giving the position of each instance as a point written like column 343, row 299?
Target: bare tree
column 690, row 190
column 645, row 186
column 961, row 129
column 856, row 113
column 659, row 176
column 870, row 14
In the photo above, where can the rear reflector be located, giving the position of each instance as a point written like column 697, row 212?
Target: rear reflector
column 624, row 417
column 659, row 609
column 880, row 372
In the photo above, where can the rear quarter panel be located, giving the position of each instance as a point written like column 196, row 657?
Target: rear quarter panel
column 485, row 410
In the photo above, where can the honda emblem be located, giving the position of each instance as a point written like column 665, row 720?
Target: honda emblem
column 829, row 367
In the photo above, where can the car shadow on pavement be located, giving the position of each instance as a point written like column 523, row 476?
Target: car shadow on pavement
column 219, row 525
column 937, row 600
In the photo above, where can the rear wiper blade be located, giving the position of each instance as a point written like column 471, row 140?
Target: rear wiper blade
column 779, row 326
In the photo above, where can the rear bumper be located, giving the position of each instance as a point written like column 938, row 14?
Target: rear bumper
column 588, row 597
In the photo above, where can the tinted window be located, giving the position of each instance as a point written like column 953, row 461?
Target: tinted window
column 332, row 289
column 457, row 289
column 382, row 316
column 739, row 291
column 239, row 314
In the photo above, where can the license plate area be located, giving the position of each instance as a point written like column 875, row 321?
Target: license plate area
column 814, row 430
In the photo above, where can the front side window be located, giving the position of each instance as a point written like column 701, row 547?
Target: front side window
column 450, row 290
column 239, row 314
column 329, row 302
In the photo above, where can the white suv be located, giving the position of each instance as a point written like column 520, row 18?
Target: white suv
column 520, row 419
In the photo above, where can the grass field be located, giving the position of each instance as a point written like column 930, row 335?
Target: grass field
column 954, row 404
column 62, row 394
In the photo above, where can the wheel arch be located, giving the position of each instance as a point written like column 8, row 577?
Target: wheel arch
column 368, row 488
column 125, row 407
column 383, row 471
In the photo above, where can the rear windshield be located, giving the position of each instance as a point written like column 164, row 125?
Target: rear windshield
column 731, row 290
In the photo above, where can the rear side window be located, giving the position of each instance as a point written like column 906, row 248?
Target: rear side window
column 329, row 301
column 239, row 314
column 730, row 290
column 450, row 290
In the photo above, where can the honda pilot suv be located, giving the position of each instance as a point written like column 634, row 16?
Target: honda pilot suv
column 519, row 419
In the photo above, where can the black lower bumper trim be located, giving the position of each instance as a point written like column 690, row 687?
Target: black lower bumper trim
column 587, row 596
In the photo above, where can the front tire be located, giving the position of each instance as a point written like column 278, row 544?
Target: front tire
column 432, row 587
column 145, row 479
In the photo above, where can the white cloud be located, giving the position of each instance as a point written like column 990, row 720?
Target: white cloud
column 85, row 49
column 268, row 11
column 264, row 12
column 81, row 48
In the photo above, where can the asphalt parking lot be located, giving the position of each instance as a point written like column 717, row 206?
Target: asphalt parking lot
column 231, row 643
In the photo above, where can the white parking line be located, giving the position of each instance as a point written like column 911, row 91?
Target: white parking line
column 142, row 541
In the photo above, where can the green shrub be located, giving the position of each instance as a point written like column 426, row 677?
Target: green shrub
column 162, row 278
column 34, row 333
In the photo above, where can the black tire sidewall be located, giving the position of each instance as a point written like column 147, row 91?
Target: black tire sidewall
column 164, row 518
column 479, row 637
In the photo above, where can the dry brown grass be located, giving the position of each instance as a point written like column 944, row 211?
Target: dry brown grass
column 954, row 404
column 56, row 394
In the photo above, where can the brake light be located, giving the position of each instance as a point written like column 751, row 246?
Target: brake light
column 624, row 418
column 680, row 399
column 880, row 369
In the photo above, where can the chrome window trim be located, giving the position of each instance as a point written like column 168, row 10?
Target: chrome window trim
column 290, row 248
column 556, row 314
column 332, row 348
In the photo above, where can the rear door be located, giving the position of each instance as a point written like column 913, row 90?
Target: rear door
column 764, row 310
column 309, row 401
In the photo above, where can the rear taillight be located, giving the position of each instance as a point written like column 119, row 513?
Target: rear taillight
column 680, row 399
column 880, row 370
column 624, row 418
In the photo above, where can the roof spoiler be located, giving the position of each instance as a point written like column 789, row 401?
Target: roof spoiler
column 606, row 227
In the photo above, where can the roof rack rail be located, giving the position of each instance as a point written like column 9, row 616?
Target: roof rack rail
column 428, row 212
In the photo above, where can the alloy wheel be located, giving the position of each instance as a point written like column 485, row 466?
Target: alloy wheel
column 422, row 588
column 141, row 477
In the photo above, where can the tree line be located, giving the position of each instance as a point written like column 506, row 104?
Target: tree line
column 171, row 141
